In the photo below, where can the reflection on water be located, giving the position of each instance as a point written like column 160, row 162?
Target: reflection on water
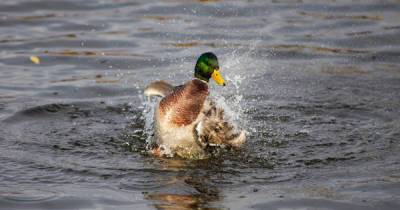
column 202, row 195
column 171, row 201
column 188, row 188
column 315, row 83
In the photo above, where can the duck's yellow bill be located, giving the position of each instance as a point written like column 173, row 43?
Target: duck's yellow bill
column 218, row 78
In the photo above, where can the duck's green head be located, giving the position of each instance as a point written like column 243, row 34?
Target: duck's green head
column 207, row 67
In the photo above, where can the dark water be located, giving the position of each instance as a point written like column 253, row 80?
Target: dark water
column 316, row 84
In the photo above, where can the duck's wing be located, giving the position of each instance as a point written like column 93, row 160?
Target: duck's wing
column 183, row 105
column 158, row 88
column 214, row 130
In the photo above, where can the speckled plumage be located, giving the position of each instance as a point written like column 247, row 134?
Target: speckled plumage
column 216, row 131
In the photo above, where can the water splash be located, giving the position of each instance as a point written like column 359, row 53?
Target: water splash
column 239, row 68
column 149, row 106
column 231, row 101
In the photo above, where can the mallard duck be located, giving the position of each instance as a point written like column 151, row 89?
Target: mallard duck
column 186, row 121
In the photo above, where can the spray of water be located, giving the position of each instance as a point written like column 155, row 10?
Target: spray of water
column 239, row 68
column 149, row 105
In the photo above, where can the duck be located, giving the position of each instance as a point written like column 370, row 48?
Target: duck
column 186, row 121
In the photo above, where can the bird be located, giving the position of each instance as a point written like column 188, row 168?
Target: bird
column 186, row 121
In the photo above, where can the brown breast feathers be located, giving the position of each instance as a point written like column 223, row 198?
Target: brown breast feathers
column 185, row 102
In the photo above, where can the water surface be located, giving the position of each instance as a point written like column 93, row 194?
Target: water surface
column 315, row 83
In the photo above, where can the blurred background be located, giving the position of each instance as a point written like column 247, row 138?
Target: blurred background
column 315, row 83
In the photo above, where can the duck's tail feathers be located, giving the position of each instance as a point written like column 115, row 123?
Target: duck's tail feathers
column 158, row 88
